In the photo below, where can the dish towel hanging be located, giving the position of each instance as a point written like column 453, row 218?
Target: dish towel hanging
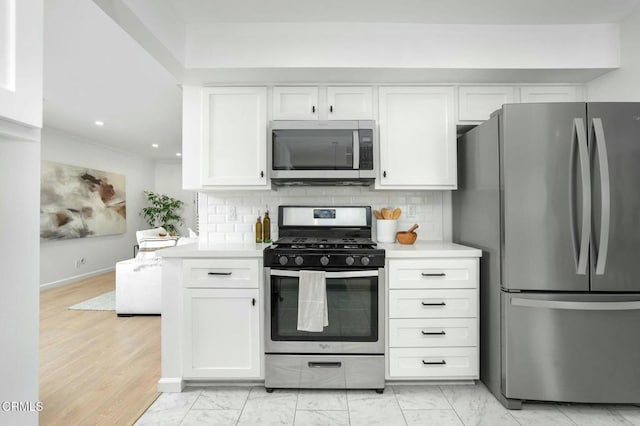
column 312, row 301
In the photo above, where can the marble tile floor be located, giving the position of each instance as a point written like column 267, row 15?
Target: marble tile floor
column 398, row 405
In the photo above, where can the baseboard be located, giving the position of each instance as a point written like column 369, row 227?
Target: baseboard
column 170, row 384
column 75, row 278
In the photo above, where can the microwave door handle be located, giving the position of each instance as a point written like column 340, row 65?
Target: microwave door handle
column 345, row 274
column 356, row 151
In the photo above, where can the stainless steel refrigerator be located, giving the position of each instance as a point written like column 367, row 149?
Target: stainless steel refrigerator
column 551, row 194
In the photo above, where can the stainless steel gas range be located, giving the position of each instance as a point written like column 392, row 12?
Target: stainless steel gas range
column 349, row 352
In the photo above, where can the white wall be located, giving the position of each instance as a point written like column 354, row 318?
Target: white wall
column 57, row 265
column 168, row 180
column 20, row 121
column 433, row 209
column 362, row 45
column 622, row 84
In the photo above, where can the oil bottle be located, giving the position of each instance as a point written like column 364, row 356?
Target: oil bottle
column 259, row 230
column 266, row 227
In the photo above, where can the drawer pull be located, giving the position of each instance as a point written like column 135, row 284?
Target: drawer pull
column 219, row 273
column 325, row 364
column 434, row 304
column 435, row 274
column 433, row 333
column 443, row 362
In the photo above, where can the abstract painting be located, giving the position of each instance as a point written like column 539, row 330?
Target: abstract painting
column 77, row 202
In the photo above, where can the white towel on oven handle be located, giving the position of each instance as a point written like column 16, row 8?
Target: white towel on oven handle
column 313, row 314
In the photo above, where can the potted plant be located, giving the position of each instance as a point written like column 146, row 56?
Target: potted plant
column 162, row 211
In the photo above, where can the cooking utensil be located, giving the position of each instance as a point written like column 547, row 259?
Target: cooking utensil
column 408, row 237
column 396, row 213
column 377, row 214
column 386, row 213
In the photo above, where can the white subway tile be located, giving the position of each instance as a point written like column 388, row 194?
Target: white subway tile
column 216, row 236
column 244, row 227
column 226, row 227
column 235, row 236
column 216, row 218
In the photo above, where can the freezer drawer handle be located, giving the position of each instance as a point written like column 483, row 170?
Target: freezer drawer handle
column 220, row 273
column 438, row 274
column 433, row 333
column 325, row 364
column 577, row 306
column 443, row 362
column 434, row 304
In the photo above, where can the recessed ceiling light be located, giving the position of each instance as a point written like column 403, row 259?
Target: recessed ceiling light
column 178, row 154
column 155, row 145
column 99, row 123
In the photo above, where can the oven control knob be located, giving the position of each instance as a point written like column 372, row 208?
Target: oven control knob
column 324, row 260
column 349, row 260
column 299, row 260
column 365, row 261
column 283, row 260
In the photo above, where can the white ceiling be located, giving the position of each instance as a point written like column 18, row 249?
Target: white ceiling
column 94, row 70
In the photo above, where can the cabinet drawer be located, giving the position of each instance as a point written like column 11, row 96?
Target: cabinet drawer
column 221, row 273
column 433, row 303
column 433, row 332
column 437, row 363
column 433, row 273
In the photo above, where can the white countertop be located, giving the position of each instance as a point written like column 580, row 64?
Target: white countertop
column 392, row 251
column 219, row 249
column 428, row 249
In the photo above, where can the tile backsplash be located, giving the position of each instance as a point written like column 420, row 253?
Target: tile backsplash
column 231, row 216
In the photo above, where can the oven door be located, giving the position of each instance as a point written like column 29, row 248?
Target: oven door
column 355, row 307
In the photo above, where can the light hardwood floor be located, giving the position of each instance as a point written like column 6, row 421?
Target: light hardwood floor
column 95, row 367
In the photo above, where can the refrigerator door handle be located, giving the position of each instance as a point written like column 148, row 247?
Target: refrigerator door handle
column 580, row 249
column 605, row 200
column 576, row 306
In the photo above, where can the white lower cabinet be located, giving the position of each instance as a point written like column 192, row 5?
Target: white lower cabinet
column 433, row 319
column 221, row 319
column 222, row 333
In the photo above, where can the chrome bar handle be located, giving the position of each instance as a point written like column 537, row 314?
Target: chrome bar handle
column 433, row 333
column 579, row 138
column 443, row 362
column 220, row 273
column 632, row 305
column 356, row 150
column 435, row 274
column 318, row 364
column 605, row 195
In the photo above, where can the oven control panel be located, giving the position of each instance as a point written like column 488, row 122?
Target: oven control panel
column 292, row 259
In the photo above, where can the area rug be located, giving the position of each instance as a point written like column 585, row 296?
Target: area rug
column 104, row 302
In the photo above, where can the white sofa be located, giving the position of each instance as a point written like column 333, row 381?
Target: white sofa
column 139, row 280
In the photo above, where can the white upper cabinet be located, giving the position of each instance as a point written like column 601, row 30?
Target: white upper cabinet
column 476, row 103
column 234, row 137
column 295, row 103
column 417, row 138
column 350, row 103
column 323, row 103
column 551, row 94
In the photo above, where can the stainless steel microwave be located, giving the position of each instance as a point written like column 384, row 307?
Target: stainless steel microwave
column 322, row 152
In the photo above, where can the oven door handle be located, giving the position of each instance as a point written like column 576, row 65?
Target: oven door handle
column 344, row 274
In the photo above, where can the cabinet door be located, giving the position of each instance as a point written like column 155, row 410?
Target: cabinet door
column 222, row 333
column 417, row 138
column 235, row 136
column 350, row 103
column 295, row 103
column 476, row 103
column 551, row 94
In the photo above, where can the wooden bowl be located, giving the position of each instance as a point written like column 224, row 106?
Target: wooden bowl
column 406, row 237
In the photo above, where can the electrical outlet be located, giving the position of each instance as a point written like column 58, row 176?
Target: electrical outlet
column 232, row 213
column 81, row 262
column 411, row 211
